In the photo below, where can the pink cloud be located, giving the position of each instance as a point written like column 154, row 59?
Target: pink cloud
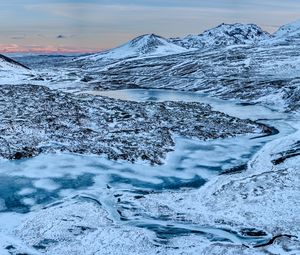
column 14, row 48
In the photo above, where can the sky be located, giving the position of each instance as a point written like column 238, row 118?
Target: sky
column 94, row 25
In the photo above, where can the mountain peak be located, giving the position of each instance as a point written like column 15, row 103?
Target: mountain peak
column 225, row 35
column 142, row 46
column 148, row 43
column 290, row 29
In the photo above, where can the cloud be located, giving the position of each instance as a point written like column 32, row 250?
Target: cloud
column 18, row 37
column 9, row 48
column 13, row 48
column 108, row 23
column 60, row 36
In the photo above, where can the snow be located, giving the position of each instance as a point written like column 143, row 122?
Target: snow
column 10, row 65
column 88, row 223
column 224, row 35
column 291, row 29
column 142, row 46
column 46, row 184
column 86, row 220
column 95, row 208
column 81, row 226
column 262, row 197
column 12, row 72
column 288, row 34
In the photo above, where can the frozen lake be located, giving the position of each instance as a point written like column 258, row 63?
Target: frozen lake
column 30, row 184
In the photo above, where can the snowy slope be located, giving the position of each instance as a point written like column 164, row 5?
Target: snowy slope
column 151, row 45
column 8, row 64
column 12, row 72
column 289, row 33
column 245, row 72
column 224, row 35
column 142, row 46
column 288, row 30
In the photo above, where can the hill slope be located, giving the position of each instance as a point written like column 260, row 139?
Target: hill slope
column 224, row 35
column 142, row 46
column 289, row 33
column 8, row 64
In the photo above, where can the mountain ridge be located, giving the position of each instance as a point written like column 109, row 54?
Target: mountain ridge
column 224, row 35
column 7, row 63
column 143, row 45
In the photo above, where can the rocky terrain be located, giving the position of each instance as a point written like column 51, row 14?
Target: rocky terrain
column 224, row 35
column 247, row 73
column 261, row 201
column 56, row 121
column 252, row 66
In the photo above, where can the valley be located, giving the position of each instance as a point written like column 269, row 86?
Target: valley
column 172, row 146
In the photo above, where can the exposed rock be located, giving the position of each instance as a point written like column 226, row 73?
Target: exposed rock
column 267, row 74
column 224, row 35
column 35, row 119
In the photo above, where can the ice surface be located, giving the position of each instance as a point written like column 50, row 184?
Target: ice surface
column 97, row 199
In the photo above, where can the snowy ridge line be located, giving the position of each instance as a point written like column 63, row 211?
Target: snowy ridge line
column 5, row 60
column 148, row 45
column 152, row 45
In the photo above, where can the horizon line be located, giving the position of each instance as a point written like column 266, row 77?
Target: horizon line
column 51, row 51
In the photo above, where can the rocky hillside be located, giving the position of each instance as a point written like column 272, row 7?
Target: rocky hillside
column 224, row 35
column 267, row 71
column 288, row 34
column 55, row 121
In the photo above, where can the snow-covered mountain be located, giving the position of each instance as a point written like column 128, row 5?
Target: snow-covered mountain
column 264, row 70
column 288, row 33
column 224, row 35
column 142, row 46
column 8, row 64
column 151, row 45
column 288, row 30
column 13, row 72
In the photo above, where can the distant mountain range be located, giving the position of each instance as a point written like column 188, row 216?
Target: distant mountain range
column 224, row 35
column 151, row 45
column 246, row 63
column 142, row 46
column 230, row 61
